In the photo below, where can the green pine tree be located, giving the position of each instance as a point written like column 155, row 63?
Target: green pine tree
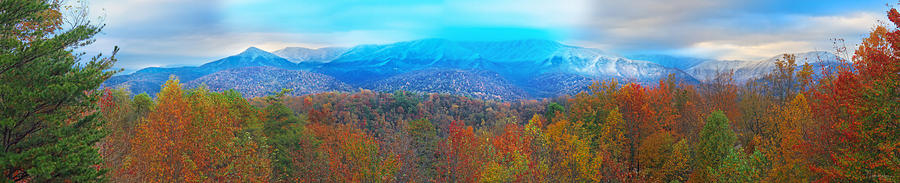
column 48, row 99
column 716, row 141
column 423, row 138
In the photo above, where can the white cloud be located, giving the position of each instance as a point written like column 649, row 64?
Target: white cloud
column 196, row 49
column 729, row 29
column 807, row 33
column 732, row 51
column 200, row 30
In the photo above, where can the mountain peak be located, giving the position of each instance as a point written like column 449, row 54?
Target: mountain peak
column 253, row 51
column 250, row 57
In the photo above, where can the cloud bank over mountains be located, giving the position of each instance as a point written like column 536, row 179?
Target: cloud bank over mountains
column 191, row 32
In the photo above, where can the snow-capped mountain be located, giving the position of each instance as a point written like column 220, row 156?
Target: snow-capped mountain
column 149, row 80
column 250, row 57
column 517, row 69
column 678, row 62
column 420, row 53
column 301, row 54
column 747, row 70
column 518, row 60
column 527, row 50
column 442, row 52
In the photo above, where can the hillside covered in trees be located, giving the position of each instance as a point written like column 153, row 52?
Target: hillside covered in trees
column 787, row 127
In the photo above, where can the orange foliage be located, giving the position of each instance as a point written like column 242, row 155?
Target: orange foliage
column 351, row 155
column 194, row 139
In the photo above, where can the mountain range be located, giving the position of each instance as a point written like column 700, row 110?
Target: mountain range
column 747, row 70
column 499, row 70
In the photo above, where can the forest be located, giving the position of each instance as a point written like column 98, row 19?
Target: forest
column 793, row 125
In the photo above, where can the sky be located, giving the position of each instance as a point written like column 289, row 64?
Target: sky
column 154, row 33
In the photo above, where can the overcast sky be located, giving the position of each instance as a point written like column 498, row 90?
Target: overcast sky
column 192, row 32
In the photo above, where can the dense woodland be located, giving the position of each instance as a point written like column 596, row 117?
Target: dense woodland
column 794, row 125
column 791, row 126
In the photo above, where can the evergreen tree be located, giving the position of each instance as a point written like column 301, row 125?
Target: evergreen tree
column 48, row 102
column 716, row 141
column 293, row 146
column 423, row 137
column 552, row 109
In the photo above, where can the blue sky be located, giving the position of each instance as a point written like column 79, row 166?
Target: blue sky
column 192, row 32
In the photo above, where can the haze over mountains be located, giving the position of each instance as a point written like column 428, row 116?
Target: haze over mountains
column 499, row 70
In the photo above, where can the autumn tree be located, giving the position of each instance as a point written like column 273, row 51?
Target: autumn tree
column 540, row 150
column 662, row 102
column 463, row 158
column 634, row 105
column 612, row 142
column 721, row 93
column 859, row 105
column 156, row 137
column 199, row 136
column 782, row 80
column 656, row 150
column 678, row 165
column 352, row 155
column 122, row 114
column 509, row 155
column 758, row 108
column 794, row 124
column 571, row 152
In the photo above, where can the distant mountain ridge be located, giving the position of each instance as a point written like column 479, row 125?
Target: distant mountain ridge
column 747, row 70
column 267, row 78
column 518, row 61
column 301, row 54
column 678, row 62
column 149, row 80
column 502, row 70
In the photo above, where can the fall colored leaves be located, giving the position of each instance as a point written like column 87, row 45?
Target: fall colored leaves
column 794, row 125
column 198, row 136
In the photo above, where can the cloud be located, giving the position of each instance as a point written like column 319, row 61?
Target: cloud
column 192, row 32
column 152, row 18
column 196, row 49
column 806, row 33
column 732, row 51
column 753, row 29
column 170, row 32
